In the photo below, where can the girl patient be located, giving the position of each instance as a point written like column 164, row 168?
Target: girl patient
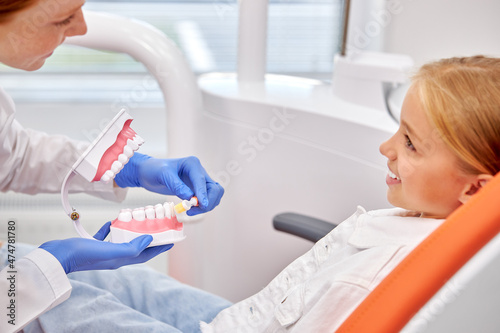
column 446, row 149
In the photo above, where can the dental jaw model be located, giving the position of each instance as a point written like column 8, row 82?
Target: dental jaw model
column 159, row 221
column 103, row 159
column 110, row 151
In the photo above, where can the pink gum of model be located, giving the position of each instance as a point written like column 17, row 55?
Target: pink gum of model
column 149, row 226
column 159, row 221
column 112, row 153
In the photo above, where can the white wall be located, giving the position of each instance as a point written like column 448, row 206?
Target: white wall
column 432, row 29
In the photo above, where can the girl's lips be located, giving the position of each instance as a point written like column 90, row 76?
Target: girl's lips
column 391, row 178
column 392, row 181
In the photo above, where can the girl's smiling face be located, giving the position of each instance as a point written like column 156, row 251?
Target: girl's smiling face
column 30, row 36
column 424, row 174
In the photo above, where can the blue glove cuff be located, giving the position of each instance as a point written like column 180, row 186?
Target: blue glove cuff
column 128, row 176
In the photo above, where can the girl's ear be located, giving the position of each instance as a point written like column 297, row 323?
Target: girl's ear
column 473, row 187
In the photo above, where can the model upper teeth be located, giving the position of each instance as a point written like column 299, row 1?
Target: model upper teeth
column 159, row 211
column 116, row 167
column 122, row 159
column 132, row 144
column 393, row 176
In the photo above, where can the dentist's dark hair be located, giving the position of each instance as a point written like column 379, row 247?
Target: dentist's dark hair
column 10, row 7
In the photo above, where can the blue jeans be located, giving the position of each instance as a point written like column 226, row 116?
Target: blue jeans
column 130, row 299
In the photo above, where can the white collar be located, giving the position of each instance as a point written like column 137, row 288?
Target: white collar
column 394, row 226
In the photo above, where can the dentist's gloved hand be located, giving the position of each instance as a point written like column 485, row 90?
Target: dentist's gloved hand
column 183, row 177
column 83, row 254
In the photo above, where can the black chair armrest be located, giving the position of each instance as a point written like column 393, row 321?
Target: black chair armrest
column 303, row 226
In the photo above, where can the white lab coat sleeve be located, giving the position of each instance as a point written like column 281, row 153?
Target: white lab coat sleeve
column 35, row 162
column 33, row 285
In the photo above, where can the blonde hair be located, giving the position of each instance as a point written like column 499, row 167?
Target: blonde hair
column 461, row 97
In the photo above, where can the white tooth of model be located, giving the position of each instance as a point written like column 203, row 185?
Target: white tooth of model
column 150, row 212
column 132, row 144
column 125, row 215
column 110, row 174
column 138, row 140
column 116, row 167
column 159, row 211
column 127, row 151
column 123, row 159
column 172, row 210
column 138, row 214
column 168, row 210
column 105, row 178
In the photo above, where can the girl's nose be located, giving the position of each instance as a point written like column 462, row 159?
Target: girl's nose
column 387, row 149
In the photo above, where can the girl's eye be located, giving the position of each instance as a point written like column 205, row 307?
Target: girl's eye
column 65, row 22
column 408, row 143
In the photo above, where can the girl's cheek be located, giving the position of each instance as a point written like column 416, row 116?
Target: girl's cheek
column 406, row 168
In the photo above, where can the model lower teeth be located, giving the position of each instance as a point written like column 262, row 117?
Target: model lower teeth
column 138, row 214
column 125, row 215
column 159, row 211
column 159, row 221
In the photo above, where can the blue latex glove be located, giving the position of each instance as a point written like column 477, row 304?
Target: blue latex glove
column 83, row 254
column 183, row 177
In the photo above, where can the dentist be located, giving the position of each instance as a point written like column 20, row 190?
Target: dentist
column 30, row 30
